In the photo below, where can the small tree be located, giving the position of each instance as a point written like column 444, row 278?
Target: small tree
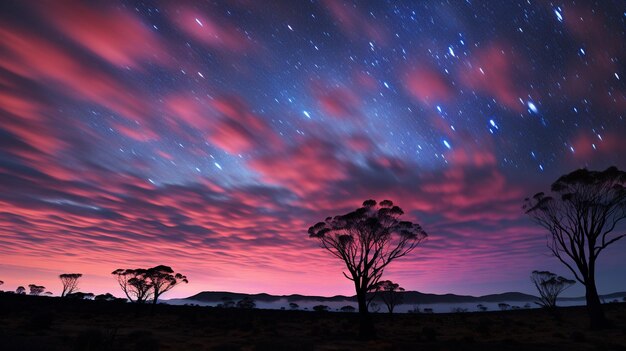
column 504, row 306
column 162, row 279
column 134, row 284
column 390, row 293
column 20, row 290
column 80, row 296
column 36, row 290
column 227, row 302
column 293, row 306
column 320, row 308
column 347, row 308
column 367, row 240
column 550, row 286
column 246, row 303
column 581, row 216
column 481, row 307
column 105, row 297
column 70, row 282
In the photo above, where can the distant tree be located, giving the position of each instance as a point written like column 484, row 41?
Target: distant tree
column 320, row 308
column 227, row 302
column 428, row 310
column 581, row 216
column 504, row 306
column 293, row 306
column 390, row 293
column 36, row 290
column 20, row 290
column 134, row 283
column 246, row 303
column 163, row 279
column 70, row 282
column 105, row 297
column 80, row 296
column 367, row 240
column 458, row 310
column 415, row 309
column 48, row 293
column 1, row 282
column 347, row 308
column 550, row 286
column 527, row 305
column 481, row 307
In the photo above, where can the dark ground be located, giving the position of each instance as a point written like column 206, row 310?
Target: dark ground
column 47, row 323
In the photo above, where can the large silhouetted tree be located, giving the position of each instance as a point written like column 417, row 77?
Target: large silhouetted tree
column 162, row 279
column 581, row 216
column 134, row 283
column 70, row 282
column 390, row 293
column 36, row 290
column 20, row 290
column 550, row 286
column 367, row 240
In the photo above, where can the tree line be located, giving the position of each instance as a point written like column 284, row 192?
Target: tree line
column 139, row 285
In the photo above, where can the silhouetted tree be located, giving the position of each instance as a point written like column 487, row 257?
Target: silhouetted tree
column 246, row 303
column 581, row 216
column 36, row 290
column 481, row 307
column 20, row 290
column 134, row 284
column 390, row 293
column 320, row 308
column 162, row 279
column 550, row 286
column 293, row 306
column 70, row 282
column 227, row 302
column 504, row 306
column 347, row 308
column 105, row 297
column 80, row 296
column 367, row 240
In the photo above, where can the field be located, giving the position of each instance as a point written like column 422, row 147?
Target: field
column 47, row 323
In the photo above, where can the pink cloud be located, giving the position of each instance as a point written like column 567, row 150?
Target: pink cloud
column 114, row 34
column 34, row 58
column 493, row 72
column 339, row 102
column 428, row 86
column 210, row 31
column 308, row 167
column 354, row 23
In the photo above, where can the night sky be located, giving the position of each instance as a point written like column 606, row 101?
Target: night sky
column 209, row 136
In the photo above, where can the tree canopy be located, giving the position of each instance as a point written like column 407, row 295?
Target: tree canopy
column 70, row 282
column 550, row 286
column 367, row 240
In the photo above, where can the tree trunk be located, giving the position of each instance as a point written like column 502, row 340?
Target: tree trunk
column 366, row 325
column 594, row 307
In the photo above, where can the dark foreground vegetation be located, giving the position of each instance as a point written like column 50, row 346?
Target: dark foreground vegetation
column 48, row 323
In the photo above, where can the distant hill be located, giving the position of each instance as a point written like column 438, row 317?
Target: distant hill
column 410, row 297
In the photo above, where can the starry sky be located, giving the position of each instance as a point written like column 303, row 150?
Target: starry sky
column 210, row 135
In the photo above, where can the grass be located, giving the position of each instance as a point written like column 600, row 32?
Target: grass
column 45, row 323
